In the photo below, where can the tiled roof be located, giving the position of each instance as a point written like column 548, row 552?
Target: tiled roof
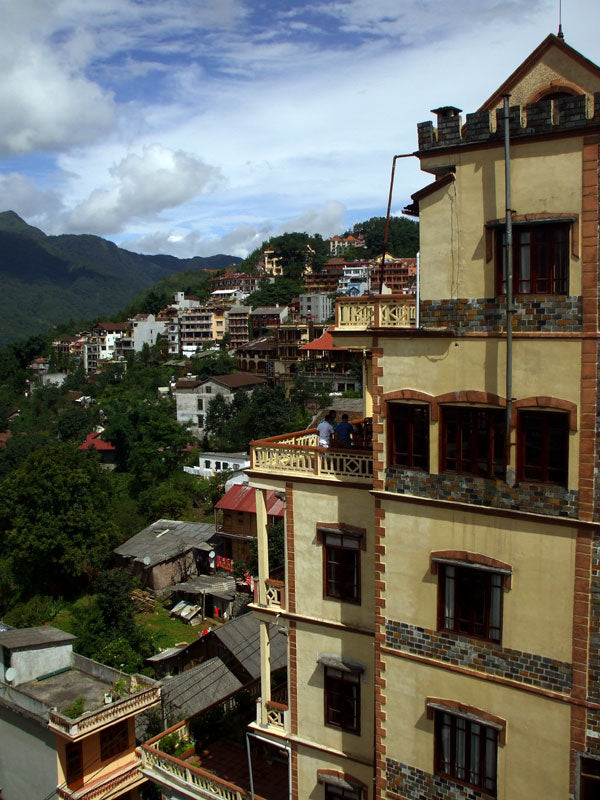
column 324, row 342
column 94, row 442
column 236, row 380
column 241, row 637
column 199, row 687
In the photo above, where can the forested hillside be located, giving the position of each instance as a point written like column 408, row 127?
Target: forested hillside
column 47, row 280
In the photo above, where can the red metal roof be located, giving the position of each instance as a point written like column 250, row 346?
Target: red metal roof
column 241, row 498
column 324, row 342
column 94, row 442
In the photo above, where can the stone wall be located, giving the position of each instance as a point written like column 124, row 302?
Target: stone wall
column 414, row 784
column 555, row 501
column 543, row 116
column 486, row 657
column 534, row 314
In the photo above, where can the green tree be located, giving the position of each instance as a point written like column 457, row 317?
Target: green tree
column 55, row 520
column 75, row 423
column 403, row 236
column 276, row 540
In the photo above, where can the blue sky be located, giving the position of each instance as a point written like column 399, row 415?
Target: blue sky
column 193, row 127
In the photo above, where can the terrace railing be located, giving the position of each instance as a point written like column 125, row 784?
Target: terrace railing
column 375, row 311
column 299, row 454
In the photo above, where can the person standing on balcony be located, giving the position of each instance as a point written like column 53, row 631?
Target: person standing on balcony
column 326, row 430
column 344, row 431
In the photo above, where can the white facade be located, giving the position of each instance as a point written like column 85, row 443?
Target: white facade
column 317, row 307
column 211, row 463
column 146, row 330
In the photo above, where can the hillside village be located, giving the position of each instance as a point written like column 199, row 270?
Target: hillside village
column 407, row 607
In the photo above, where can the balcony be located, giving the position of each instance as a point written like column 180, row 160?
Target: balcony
column 132, row 695
column 375, row 311
column 299, row 454
column 107, row 786
column 209, row 766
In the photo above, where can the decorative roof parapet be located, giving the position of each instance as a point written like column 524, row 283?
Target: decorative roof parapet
column 544, row 116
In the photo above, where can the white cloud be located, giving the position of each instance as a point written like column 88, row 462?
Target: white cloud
column 20, row 194
column 144, row 184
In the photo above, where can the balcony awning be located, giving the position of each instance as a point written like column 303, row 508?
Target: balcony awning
column 340, row 662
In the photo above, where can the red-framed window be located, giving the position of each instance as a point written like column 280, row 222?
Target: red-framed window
column 466, row 751
column 408, row 435
column 543, row 446
column 470, row 601
column 114, row 740
column 341, row 566
column 540, row 259
column 342, row 699
column 472, row 441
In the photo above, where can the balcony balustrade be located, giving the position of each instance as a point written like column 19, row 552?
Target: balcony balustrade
column 275, row 594
column 106, row 715
column 299, row 454
column 119, row 781
column 375, row 311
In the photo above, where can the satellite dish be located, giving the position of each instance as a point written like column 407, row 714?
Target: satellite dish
column 147, row 561
column 10, row 674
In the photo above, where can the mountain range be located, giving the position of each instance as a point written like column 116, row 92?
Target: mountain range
column 47, row 280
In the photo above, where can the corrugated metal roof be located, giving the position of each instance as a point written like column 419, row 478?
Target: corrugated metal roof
column 165, row 539
column 243, row 498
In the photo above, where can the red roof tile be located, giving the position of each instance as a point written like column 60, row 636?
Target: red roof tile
column 94, row 442
column 324, row 342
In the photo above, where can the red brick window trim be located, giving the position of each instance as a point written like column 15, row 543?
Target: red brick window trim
column 543, row 403
column 469, row 712
column 409, row 396
column 464, row 558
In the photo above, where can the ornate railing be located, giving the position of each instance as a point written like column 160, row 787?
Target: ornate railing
column 195, row 781
column 299, row 454
column 275, row 593
column 122, row 780
column 76, row 728
column 380, row 311
column 198, row 782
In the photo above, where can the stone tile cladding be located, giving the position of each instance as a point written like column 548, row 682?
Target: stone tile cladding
column 533, row 314
column 593, row 727
column 414, row 784
column 555, row 501
column 486, row 657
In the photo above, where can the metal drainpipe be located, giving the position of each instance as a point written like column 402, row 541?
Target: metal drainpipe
column 510, row 476
column 418, row 291
column 387, row 218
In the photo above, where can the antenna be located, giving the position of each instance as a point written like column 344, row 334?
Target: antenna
column 560, row 30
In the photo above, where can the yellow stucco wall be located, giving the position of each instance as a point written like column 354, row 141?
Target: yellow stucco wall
column 545, row 177
column 534, row 762
column 439, row 366
column 310, row 643
column 309, row 761
column 538, row 608
column 330, row 504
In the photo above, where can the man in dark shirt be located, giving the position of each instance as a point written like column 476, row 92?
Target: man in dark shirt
column 344, row 431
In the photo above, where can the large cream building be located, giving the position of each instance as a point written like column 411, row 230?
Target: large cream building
column 442, row 589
